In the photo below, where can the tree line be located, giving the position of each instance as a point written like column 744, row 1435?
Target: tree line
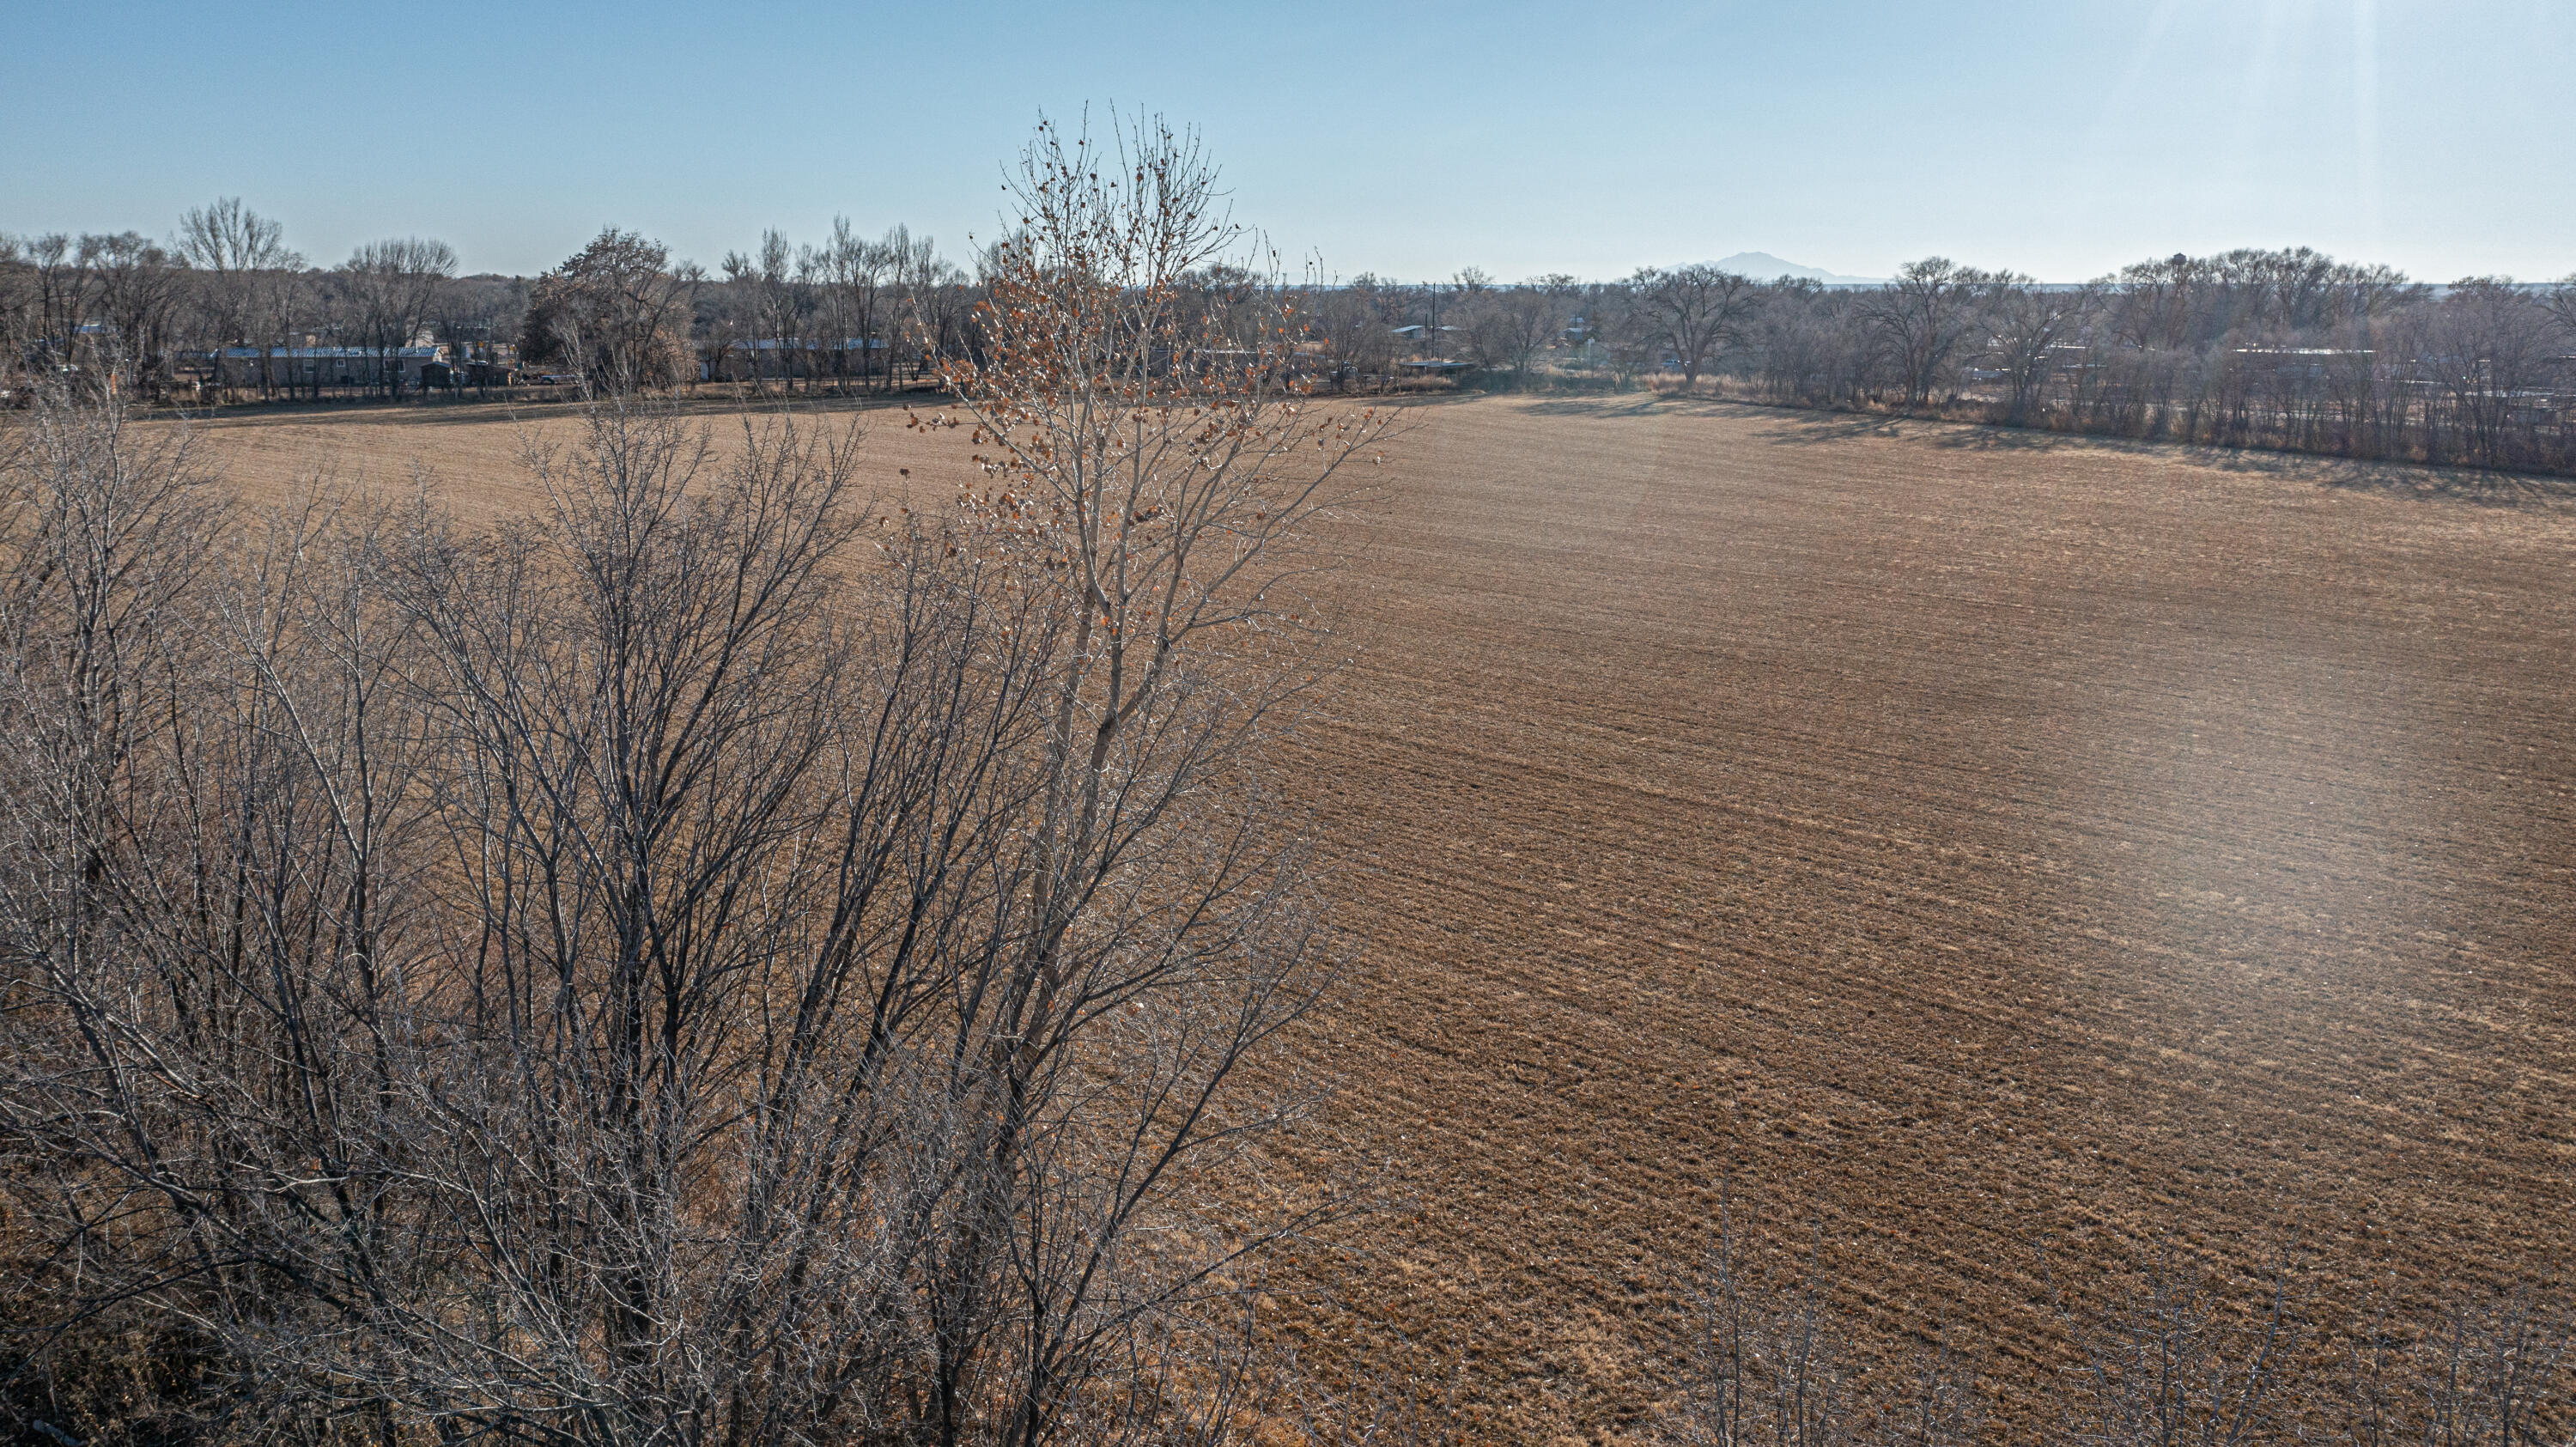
column 2287, row 348
column 224, row 310
column 127, row 311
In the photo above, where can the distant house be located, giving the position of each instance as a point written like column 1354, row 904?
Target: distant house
column 737, row 361
column 328, row 366
column 2305, row 363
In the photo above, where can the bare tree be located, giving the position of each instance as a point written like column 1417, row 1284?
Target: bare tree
column 853, row 275
column 474, row 313
column 395, row 287
column 2172, row 1363
column 250, row 275
column 1924, row 316
column 2489, row 348
column 1692, row 312
column 620, row 309
column 139, row 288
column 938, row 299
column 611, row 978
column 61, row 289
column 2560, row 301
column 1146, row 475
column 2493, row 1371
column 706, row 962
column 776, row 301
column 1769, row 1364
column 2032, row 329
column 1352, row 324
column 1764, row 1370
column 17, row 301
column 1507, row 327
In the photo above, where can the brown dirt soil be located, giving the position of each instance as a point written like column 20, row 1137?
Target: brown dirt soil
column 1956, row 839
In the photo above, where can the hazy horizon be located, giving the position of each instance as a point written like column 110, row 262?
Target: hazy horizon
column 2063, row 142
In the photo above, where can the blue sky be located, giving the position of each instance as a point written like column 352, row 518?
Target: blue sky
column 1406, row 137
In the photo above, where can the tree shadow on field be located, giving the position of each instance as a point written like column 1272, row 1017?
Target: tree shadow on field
column 1637, row 404
column 484, row 414
column 469, row 414
column 1590, row 407
column 2508, row 490
column 2003, row 437
column 2417, row 481
column 1825, row 429
column 2413, row 480
column 1400, row 401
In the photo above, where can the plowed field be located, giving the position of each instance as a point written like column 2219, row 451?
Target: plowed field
column 1957, row 838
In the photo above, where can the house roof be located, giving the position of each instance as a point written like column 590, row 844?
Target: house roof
column 350, row 353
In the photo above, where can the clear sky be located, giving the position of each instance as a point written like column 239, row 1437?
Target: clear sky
column 1406, row 137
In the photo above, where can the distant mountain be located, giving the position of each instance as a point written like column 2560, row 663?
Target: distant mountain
column 1763, row 266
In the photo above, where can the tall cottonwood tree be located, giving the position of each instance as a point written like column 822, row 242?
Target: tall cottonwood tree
column 2029, row 327
column 251, row 276
column 1693, row 312
column 139, row 288
column 61, row 287
column 1508, row 327
column 2491, row 347
column 393, row 288
column 854, row 276
column 620, row 310
column 769, row 286
column 1924, row 317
